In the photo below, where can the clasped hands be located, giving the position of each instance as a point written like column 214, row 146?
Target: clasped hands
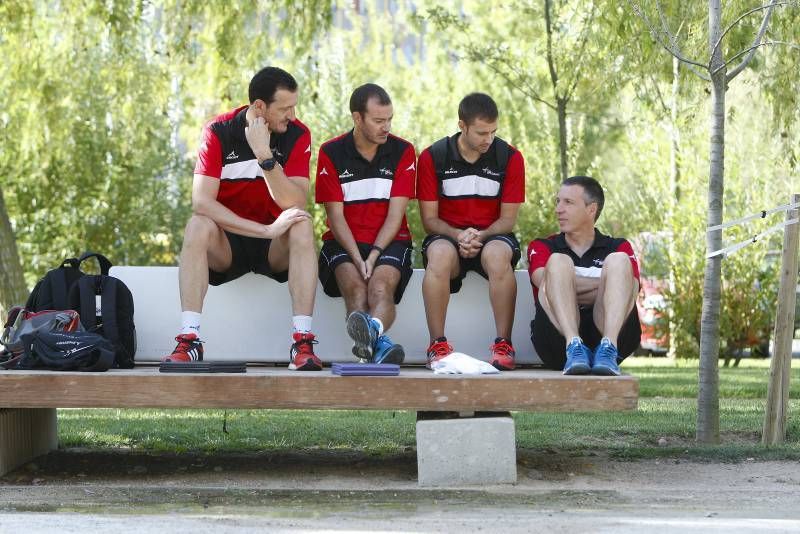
column 470, row 242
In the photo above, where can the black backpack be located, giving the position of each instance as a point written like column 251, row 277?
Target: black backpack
column 52, row 291
column 66, row 351
column 105, row 305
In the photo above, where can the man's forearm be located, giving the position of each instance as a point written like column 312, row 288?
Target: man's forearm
column 285, row 192
column 500, row 226
column 228, row 220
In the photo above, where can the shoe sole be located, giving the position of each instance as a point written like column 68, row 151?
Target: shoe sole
column 578, row 369
column 602, row 370
column 308, row 366
column 395, row 354
column 500, row 367
column 359, row 331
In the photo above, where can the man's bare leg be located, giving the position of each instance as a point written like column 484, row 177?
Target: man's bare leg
column 558, row 296
column 295, row 250
column 352, row 287
column 442, row 267
column 204, row 246
column 382, row 286
column 496, row 262
column 616, row 295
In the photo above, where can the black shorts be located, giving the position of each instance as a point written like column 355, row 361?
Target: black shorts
column 551, row 345
column 397, row 254
column 249, row 256
column 471, row 264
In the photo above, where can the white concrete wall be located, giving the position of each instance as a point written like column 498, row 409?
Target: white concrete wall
column 250, row 318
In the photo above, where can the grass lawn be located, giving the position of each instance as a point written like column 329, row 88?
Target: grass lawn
column 667, row 409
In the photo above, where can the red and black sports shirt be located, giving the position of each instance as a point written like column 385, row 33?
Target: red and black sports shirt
column 589, row 265
column 470, row 194
column 225, row 154
column 365, row 187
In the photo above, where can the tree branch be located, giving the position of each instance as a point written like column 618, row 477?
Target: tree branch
column 524, row 88
column 671, row 46
column 583, row 40
column 550, row 62
column 752, row 50
column 772, row 4
column 734, row 72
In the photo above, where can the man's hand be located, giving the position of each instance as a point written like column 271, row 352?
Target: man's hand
column 469, row 244
column 285, row 220
column 369, row 263
column 258, row 134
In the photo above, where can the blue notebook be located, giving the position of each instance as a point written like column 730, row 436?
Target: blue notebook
column 365, row 369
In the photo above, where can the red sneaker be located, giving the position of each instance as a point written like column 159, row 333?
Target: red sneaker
column 502, row 354
column 189, row 349
column 301, row 355
column 438, row 349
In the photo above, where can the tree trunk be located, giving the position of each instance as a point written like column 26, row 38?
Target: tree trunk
column 675, row 198
column 12, row 283
column 561, row 102
column 562, row 136
column 708, row 390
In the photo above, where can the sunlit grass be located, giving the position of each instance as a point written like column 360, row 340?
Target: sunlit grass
column 664, row 423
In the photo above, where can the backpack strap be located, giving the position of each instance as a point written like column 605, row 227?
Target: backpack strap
column 88, row 304
column 501, row 148
column 105, row 263
column 108, row 308
column 59, row 287
column 438, row 152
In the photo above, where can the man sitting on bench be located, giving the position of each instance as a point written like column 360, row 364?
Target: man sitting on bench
column 250, row 185
column 585, row 286
column 470, row 187
column 365, row 179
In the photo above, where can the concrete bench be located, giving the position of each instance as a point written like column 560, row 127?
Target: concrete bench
column 249, row 320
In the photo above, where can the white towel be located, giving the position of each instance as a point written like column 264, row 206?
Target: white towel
column 458, row 363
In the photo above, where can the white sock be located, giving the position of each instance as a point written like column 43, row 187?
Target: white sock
column 190, row 323
column 301, row 323
column 573, row 340
column 380, row 325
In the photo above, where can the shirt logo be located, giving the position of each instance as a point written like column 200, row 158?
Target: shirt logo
column 232, row 155
column 411, row 167
column 277, row 153
column 599, row 263
column 386, row 172
column 308, row 150
column 451, row 170
column 323, row 172
column 489, row 172
column 346, row 174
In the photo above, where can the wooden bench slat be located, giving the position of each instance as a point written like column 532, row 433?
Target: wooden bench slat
column 266, row 387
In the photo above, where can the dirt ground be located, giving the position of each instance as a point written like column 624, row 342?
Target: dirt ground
column 78, row 491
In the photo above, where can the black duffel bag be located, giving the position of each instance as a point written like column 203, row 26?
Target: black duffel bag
column 66, row 351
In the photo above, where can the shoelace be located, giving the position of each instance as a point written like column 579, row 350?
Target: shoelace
column 307, row 343
column 503, row 347
column 185, row 345
column 439, row 350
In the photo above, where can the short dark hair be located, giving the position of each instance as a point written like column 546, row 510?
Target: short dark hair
column 362, row 95
column 592, row 191
column 477, row 106
column 267, row 81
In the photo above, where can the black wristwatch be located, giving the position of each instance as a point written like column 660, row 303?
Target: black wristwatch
column 268, row 164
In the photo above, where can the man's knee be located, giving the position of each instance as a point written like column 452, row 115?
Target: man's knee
column 496, row 258
column 618, row 262
column 558, row 263
column 200, row 230
column 381, row 290
column 441, row 256
column 302, row 234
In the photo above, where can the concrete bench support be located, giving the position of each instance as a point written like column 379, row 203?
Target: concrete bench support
column 474, row 450
column 26, row 433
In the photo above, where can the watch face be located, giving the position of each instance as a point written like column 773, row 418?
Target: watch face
column 267, row 164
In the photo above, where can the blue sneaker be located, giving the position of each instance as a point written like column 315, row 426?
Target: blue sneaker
column 364, row 333
column 387, row 352
column 579, row 358
column 605, row 359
